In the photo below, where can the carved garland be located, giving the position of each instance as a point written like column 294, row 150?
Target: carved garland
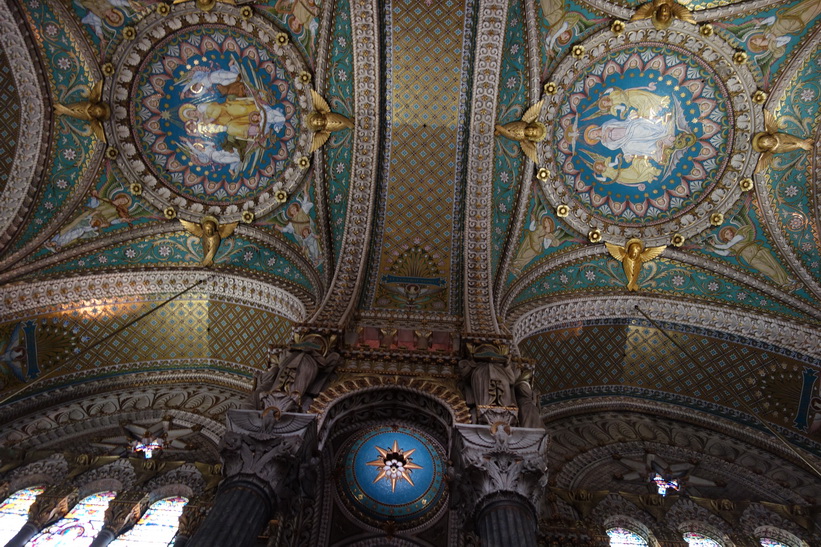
column 480, row 317
column 342, row 295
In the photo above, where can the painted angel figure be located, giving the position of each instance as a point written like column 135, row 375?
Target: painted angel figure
column 301, row 226
column 211, row 235
column 200, row 79
column 206, row 154
column 773, row 141
column 541, row 235
column 636, row 173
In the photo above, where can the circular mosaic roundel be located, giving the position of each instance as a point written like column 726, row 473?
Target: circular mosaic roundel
column 393, row 474
column 648, row 135
column 215, row 111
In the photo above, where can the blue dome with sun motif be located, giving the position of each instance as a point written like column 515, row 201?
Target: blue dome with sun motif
column 393, row 474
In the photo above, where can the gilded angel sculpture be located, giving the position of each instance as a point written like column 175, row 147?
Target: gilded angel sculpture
column 632, row 256
column 324, row 122
column 92, row 110
column 526, row 131
column 772, row 141
column 662, row 13
column 211, row 234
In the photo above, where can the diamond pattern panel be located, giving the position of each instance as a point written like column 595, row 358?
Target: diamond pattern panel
column 9, row 119
column 191, row 329
column 426, row 78
column 642, row 356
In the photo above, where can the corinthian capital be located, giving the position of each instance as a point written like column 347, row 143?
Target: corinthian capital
column 266, row 447
column 498, row 459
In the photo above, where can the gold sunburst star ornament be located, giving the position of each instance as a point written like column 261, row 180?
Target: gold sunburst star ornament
column 395, row 465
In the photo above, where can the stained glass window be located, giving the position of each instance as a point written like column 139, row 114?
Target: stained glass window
column 697, row 540
column 622, row 537
column 14, row 512
column 767, row 542
column 79, row 527
column 156, row 527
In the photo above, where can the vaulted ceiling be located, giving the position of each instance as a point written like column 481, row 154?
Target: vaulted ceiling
column 422, row 215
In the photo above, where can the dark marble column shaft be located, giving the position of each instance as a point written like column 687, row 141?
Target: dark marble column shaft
column 241, row 510
column 27, row 532
column 102, row 539
column 506, row 521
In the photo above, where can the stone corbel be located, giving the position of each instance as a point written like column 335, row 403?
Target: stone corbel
column 499, row 459
column 145, row 470
column 125, row 510
column 52, row 505
column 81, row 463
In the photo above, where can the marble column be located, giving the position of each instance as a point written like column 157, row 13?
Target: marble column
column 49, row 507
column 191, row 519
column 122, row 513
column 499, row 477
column 261, row 452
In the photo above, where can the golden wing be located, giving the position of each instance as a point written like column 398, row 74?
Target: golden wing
column 615, row 251
column 226, row 230
column 97, row 129
column 96, row 92
column 644, row 11
column 320, row 105
column 533, row 112
column 320, row 137
column 763, row 162
column 338, row 121
column 682, row 13
column 651, row 252
column 530, row 151
column 192, row 227
column 771, row 124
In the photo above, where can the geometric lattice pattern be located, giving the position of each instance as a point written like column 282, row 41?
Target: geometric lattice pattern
column 638, row 355
column 9, row 119
column 181, row 333
column 426, row 76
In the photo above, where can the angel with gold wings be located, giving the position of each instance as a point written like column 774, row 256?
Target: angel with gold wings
column 324, row 122
column 211, row 235
column 91, row 110
column 773, row 141
column 662, row 13
column 527, row 131
column 632, row 256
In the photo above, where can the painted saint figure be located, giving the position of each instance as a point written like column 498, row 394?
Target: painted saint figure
column 741, row 243
column 301, row 226
column 633, row 136
column 540, row 236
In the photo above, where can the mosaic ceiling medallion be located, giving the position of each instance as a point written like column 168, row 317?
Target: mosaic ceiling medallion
column 393, row 474
column 211, row 112
column 648, row 133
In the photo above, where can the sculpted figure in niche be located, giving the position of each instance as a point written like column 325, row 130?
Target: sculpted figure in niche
column 291, row 376
column 527, row 401
column 488, row 383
